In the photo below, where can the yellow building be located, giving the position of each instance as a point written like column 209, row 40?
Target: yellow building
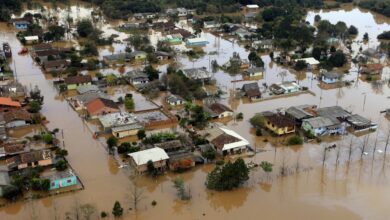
column 279, row 124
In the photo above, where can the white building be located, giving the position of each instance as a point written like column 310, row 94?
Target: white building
column 139, row 160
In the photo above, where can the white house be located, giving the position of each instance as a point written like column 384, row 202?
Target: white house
column 139, row 160
column 175, row 100
column 226, row 141
column 31, row 39
column 311, row 62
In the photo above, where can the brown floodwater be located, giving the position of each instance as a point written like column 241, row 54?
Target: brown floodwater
column 345, row 190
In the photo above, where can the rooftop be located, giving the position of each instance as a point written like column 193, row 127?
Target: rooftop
column 219, row 108
column 301, row 111
column 101, row 103
column 117, row 119
column 80, row 79
column 358, row 120
column 280, row 120
column 6, row 101
column 87, row 89
column 309, row 60
column 333, row 111
column 153, row 154
column 320, row 122
column 197, row 73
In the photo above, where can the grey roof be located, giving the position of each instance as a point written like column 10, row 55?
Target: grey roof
column 4, row 178
column 250, row 86
column 320, row 122
column 134, row 74
column 117, row 119
column 135, row 126
column 331, row 75
column 358, row 120
column 174, row 98
column 298, row 112
column 87, row 88
column 254, row 70
column 333, row 111
column 89, row 96
column 197, row 73
column 119, row 56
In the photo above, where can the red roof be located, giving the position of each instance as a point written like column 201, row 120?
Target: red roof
column 6, row 101
column 99, row 104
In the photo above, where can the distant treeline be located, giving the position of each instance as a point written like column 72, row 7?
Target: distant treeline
column 380, row 6
column 122, row 8
column 7, row 7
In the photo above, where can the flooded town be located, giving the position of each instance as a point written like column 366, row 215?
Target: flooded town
column 194, row 109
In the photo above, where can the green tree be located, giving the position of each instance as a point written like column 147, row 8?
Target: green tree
column 300, row 65
column 47, row 138
column 11, row 192
column 152, row 171
column 257, row 120
column 209, row 154
column 365, row 37
column 337, row 59
column 295, row 140
column 178, row 184
column 151, row 72
column 352, row 30
column 112, row 142
column 85, row 28
column 141, row 134
column 34, row 107
column 117, row 210
column 61, row 165
column 229, row 176
column 129, row 103
column 266, row 166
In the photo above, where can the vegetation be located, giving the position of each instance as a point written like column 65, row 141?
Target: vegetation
column 40, row 184
column 187, row 88
column 61, row 165
column 266, row 166
column 210, row 154
column 34, row 107
column 141, row 134
column 257, row 120
column 295, row 140
column 152, row 171
column 129, row 103
column 151, row 72
column 178, row 184
column 117, row 210
column 126, row 148
column 112, row 142
column 229, row 176
column 380, row 6
column 384, row 36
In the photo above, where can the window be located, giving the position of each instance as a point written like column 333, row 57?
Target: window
column 69, row 181
column 53, row 184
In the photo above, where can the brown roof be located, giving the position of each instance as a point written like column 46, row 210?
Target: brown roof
column 43, row 53
column 219, row 108
column 19, row 114
column 100, row 103
column 253, row 93
column 34, row 156
column 14, row 148
column 223, row 139
column 42, row 46
column 6, row 101
column 374, row 66
column 280, row 121
column 182, row 32
column 54, row 63
column 168, row 145
column 80, row 79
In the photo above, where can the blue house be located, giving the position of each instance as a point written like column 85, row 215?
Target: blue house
column 330, row 77
column 196, row 42
column 21, row 24
column 62, row 179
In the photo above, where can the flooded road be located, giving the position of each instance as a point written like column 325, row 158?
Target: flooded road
column 345, row 190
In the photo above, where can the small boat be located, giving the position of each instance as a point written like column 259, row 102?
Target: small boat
column 7, row 50
column 24, row 50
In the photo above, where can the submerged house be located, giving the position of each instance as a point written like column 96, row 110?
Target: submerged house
column 30, row 159
column 279, row 124
column 16, row 118
column 79, row 102
column 300, row 112
column 196, row 42
column 174, row 100
column 311, row 62
column 101, row 106
column 218, row 110
column 137, row 78
column 7, row 104
column 254, row 72
column 226, row 141
column 139, row 160
column 330, row 77
column 72, row 82
column 62, row 179
column 120, row 124
column 359, row 123
column 197, row 73
column 55, row 65
column 372, row 69
column 322, row 125
column 284, row 88
column 252, row 91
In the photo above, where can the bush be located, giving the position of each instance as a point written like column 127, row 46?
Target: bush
column 11, row 192
column 240, row 116
column 229, row 176
column 61, row 165
column 295, row 140
column 210, row 154
column 220, row 162
column 257, row 120
column 103, row 214
column 258, row 132
column 47, row 138
column 34, row 107
column 154, row 203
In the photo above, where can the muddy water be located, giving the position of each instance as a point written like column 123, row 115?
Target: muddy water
column 356, row 190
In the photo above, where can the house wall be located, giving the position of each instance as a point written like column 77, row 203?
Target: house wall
column 17, row 123
column 225, row 114
column 277, row 130
column 144, row 168
column 327, row 80
column 40, row 163
column 127, row 133
column 65, row 182
column 103, row 111
column 74, row 86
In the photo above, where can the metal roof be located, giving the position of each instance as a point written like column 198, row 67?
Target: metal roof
column 153, row 154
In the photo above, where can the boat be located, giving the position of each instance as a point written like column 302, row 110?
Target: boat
column 7, row 50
